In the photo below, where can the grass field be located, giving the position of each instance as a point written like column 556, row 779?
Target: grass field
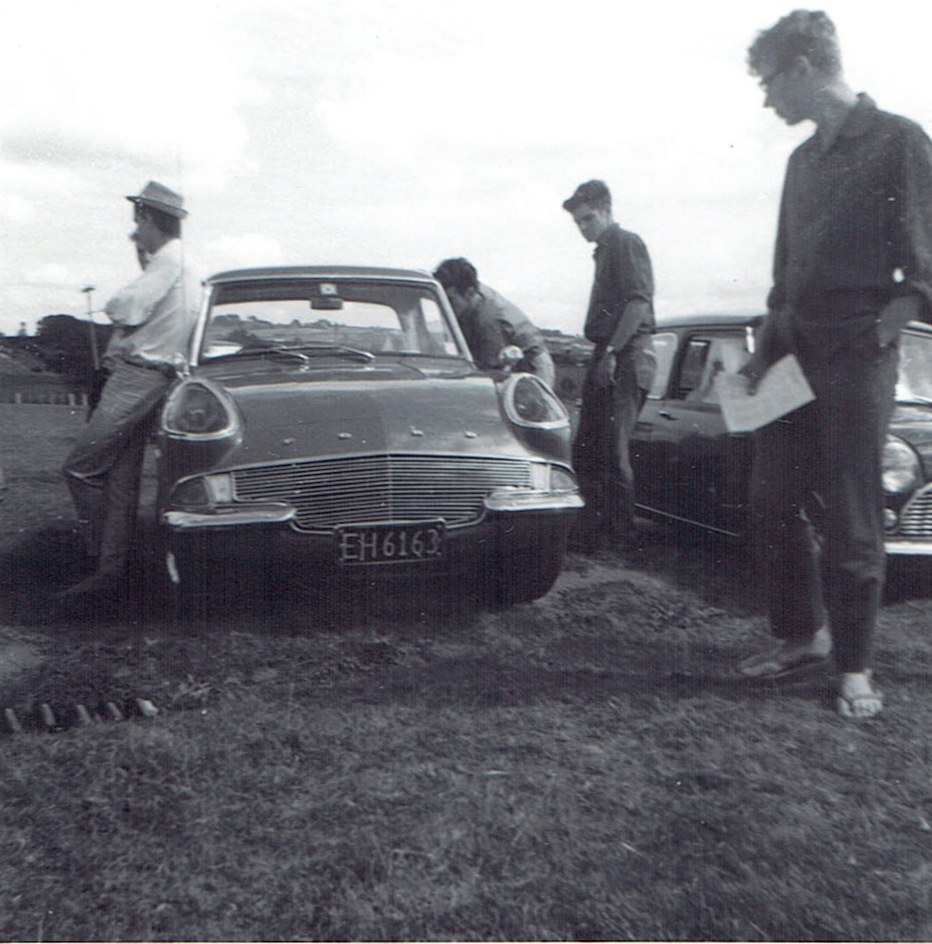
column 406, row 766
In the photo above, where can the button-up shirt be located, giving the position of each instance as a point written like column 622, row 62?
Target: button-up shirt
column 855, row 224
column 155, row 314
column 623, row 273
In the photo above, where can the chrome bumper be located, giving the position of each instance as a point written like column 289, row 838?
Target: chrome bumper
column 271, row 513
column 906, row 546
column 518, row 500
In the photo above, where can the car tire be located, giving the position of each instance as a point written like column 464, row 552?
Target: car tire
column 527, row 574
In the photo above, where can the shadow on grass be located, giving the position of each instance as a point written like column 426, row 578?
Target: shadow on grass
column 35, row 570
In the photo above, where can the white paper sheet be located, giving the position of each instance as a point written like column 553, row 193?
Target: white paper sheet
column 782, row 389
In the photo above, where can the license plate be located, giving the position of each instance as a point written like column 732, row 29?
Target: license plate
column 390, row 543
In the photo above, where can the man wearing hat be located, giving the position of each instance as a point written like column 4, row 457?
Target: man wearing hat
column 619, row 321
column 153, row 317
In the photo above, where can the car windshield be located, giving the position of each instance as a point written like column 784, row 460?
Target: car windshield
column 914, row 382
column 317, row 316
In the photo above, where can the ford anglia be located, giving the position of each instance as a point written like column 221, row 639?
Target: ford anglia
column 332, row 420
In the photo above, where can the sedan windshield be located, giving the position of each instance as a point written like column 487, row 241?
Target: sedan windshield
column 317, row 316
column 914, row 382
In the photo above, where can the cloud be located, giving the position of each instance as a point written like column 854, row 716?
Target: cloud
column 245, row 249
column 16, row 209
column 109, row 82
column 52, row 274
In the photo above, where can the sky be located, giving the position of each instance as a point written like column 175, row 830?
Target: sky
column 402, row 132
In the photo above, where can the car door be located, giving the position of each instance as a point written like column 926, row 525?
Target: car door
column 698, row 471
column 647, row 458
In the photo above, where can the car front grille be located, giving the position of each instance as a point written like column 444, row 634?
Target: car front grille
column 364, row 489
column 916, row 517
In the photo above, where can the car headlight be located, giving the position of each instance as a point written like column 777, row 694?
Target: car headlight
column 529, row 403
column 901, row 467
column 199, row 410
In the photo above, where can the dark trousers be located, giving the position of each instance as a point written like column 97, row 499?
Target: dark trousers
column 817, row 499
column 601, row 454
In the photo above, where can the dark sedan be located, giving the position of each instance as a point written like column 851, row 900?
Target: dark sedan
column 689, row 468
column 332, row 419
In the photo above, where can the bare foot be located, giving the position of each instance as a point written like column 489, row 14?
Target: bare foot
column 857, row 698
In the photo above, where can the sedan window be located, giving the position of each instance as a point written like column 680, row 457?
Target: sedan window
column 370, row 317
column 665, row 351
column 704, row 357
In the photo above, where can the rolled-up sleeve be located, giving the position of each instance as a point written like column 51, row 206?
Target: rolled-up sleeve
column 913, row 246
column 135, row 303
column 636, row 272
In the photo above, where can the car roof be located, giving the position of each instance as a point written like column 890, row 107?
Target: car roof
column 708, row 319
column 731, row 319
column 272, row 273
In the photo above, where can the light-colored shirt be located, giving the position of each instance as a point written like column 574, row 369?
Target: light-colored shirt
column 155, row 314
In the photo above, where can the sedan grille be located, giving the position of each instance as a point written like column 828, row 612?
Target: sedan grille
column 363, row 489
column 916, row 518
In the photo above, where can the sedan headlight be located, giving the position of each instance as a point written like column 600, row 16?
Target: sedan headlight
column 199, row 410
column 529, row 403
column 902, row 471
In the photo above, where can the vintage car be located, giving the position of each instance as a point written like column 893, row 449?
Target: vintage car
column 331, row 419
column 689, row 468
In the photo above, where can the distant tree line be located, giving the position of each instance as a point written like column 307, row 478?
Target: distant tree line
column 62, row 345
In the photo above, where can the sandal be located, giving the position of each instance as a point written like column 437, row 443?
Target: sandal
column 770, row 666
column 860, row 707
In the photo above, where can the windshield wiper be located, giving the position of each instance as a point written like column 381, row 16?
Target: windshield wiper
column 305, row 348
column 301, row 351
column 915, row 401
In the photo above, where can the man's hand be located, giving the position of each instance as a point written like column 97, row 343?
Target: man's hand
column 753, row 370
column 605, row 370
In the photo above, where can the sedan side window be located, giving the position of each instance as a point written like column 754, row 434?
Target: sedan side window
column 703, row 359
column 692, row 368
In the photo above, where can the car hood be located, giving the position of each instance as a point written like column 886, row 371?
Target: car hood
column 333, row 413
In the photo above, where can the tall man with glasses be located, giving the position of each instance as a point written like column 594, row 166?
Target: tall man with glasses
column 852, row 265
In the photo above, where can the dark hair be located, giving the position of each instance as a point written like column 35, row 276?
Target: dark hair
column 800, row 33
column 594, row 193
column 459, row 274
column 163, row 222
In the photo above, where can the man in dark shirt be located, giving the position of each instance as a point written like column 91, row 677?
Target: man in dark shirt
column 852, row 264
column 620, row 372
column 490, row 323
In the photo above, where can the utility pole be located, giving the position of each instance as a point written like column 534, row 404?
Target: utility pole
column 88, row 290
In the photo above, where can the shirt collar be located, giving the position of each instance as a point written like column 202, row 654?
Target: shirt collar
column 857, row 122
column 609, row 231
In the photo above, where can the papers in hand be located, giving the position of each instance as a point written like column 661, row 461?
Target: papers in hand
column 781, row 390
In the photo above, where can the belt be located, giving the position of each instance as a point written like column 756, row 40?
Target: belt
column 167, row 370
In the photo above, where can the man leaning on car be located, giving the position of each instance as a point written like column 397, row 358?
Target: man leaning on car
column 852, row 265
column 153, row 317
